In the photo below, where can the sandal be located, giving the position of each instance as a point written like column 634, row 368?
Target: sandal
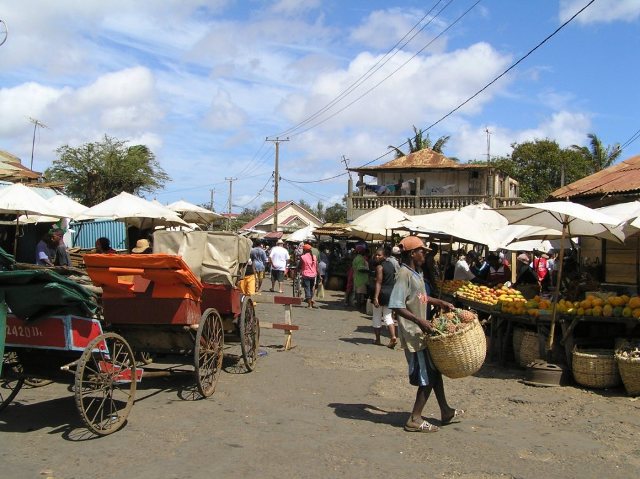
column 392, row 343
column 457, row 414
column 424, row 427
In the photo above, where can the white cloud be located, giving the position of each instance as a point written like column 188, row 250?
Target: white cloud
column 225, row 114
column 23, row 101
column 602, row 11
column 381, row 29
column 294, row 6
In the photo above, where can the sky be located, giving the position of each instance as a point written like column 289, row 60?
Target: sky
column 209, row 85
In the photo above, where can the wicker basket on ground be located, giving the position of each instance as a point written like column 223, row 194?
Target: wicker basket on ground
column 628, row 360
column 595, row 368
column 526, row 346
column 459, row 354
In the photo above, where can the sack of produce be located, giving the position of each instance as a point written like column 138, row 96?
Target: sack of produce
column 458, row 345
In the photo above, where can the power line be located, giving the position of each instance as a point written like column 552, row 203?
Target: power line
column 315, row 195
column 513, row 65
column 374, row 68
column 633, row 138
column 259, row 193
column 451, row 25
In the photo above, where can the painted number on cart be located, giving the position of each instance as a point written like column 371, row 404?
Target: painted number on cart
column 23, row 331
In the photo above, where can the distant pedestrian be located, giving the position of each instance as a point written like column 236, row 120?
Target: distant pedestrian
column 259, row 260
column 279, row 258
column 384, row 280
column 308, row 270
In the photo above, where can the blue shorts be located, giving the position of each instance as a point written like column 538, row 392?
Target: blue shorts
column 422, row 371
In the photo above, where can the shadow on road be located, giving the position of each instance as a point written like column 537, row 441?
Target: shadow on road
column 367, row 412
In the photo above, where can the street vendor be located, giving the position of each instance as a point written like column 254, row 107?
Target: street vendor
column 498, row 271
column 526, row 278
column 46, row 249
column 409, row 300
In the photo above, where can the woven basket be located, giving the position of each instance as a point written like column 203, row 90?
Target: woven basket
column 459, row 354
column 526, row 347
column 630, row 373
column 595, row 368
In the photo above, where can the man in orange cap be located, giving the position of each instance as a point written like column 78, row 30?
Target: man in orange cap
column 409, row 300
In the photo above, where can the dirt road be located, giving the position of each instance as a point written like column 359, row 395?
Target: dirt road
column 333, row 406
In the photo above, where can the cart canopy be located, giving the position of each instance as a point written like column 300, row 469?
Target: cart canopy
column 215, row 257
column 32, row 294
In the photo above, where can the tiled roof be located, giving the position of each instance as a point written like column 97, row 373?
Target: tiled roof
column 623, row 177
column 289, row 219
column 268, row 213
column 423, row 159
column 12, row 169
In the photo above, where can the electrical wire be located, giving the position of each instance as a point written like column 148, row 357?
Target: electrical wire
column 258, row 195
column 633, row 138
column 315, row 195
column 513, row 65
column 451, row 25
column 373, row 69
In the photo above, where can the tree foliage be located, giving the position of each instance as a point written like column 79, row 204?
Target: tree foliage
column 539, row 165
column 420, row 142
column 597, row 154
column 97, row 171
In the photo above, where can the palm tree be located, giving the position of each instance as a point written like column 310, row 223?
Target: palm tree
column 418, row 142
column 596, row 154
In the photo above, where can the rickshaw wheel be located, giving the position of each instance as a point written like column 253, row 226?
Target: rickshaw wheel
column 208, row 353
column 249, row 333
column 105, row 384
column 11, row 380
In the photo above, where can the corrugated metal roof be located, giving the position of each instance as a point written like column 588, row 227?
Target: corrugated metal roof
column 623, row 177
column 420, row 160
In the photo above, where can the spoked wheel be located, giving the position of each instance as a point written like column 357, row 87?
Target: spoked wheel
column 208, row 352
column 11, row 380
column 105, row 384
column 249, row 333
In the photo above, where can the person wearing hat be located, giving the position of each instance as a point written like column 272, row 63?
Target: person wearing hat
column 142, row 247
column 308, row 268
column 394, row 257
column 526, row 278
column 409, row 300
column 279, row 257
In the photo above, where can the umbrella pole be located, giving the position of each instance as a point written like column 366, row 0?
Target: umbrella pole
column 556, row 293
column 15, row 237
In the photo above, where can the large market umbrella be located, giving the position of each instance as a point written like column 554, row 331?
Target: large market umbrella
column 65, row 207
column 193, row 213
column 133, row 210
column 376, row 224
column 572, row 219
column 18, row 200
column 475, row 223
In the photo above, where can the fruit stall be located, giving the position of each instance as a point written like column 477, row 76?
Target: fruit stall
column 600, row 320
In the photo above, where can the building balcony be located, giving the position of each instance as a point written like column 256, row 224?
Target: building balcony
column 422, row 205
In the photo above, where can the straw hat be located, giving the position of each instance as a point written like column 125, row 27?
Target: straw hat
column 141, row 246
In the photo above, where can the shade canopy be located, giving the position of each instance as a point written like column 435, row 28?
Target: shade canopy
column 65, row 206
column 18, row 199
column 474, row 223
column 377, row 224
column 133, row 210
column 571, row 218
column 193, row 213
column 303, row 234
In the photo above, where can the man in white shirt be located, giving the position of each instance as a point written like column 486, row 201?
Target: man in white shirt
column 462, row 270
column 279, row 257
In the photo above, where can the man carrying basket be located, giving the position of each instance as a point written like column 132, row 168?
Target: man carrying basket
column 409, row 300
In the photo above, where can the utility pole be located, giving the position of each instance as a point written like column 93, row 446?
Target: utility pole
column 36, row 124
column 276, row 175
column 212, row 191
column 230, row 180
column 345, row 160
column 492, row 179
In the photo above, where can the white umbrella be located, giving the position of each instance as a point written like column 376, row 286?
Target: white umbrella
column 474, row 223
column 18, row 199
column 572, row 219
column 302, row 234
column 628, row 212
column 134, row 211
column 65, row 207
column 376, row 224
column 194, row 213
